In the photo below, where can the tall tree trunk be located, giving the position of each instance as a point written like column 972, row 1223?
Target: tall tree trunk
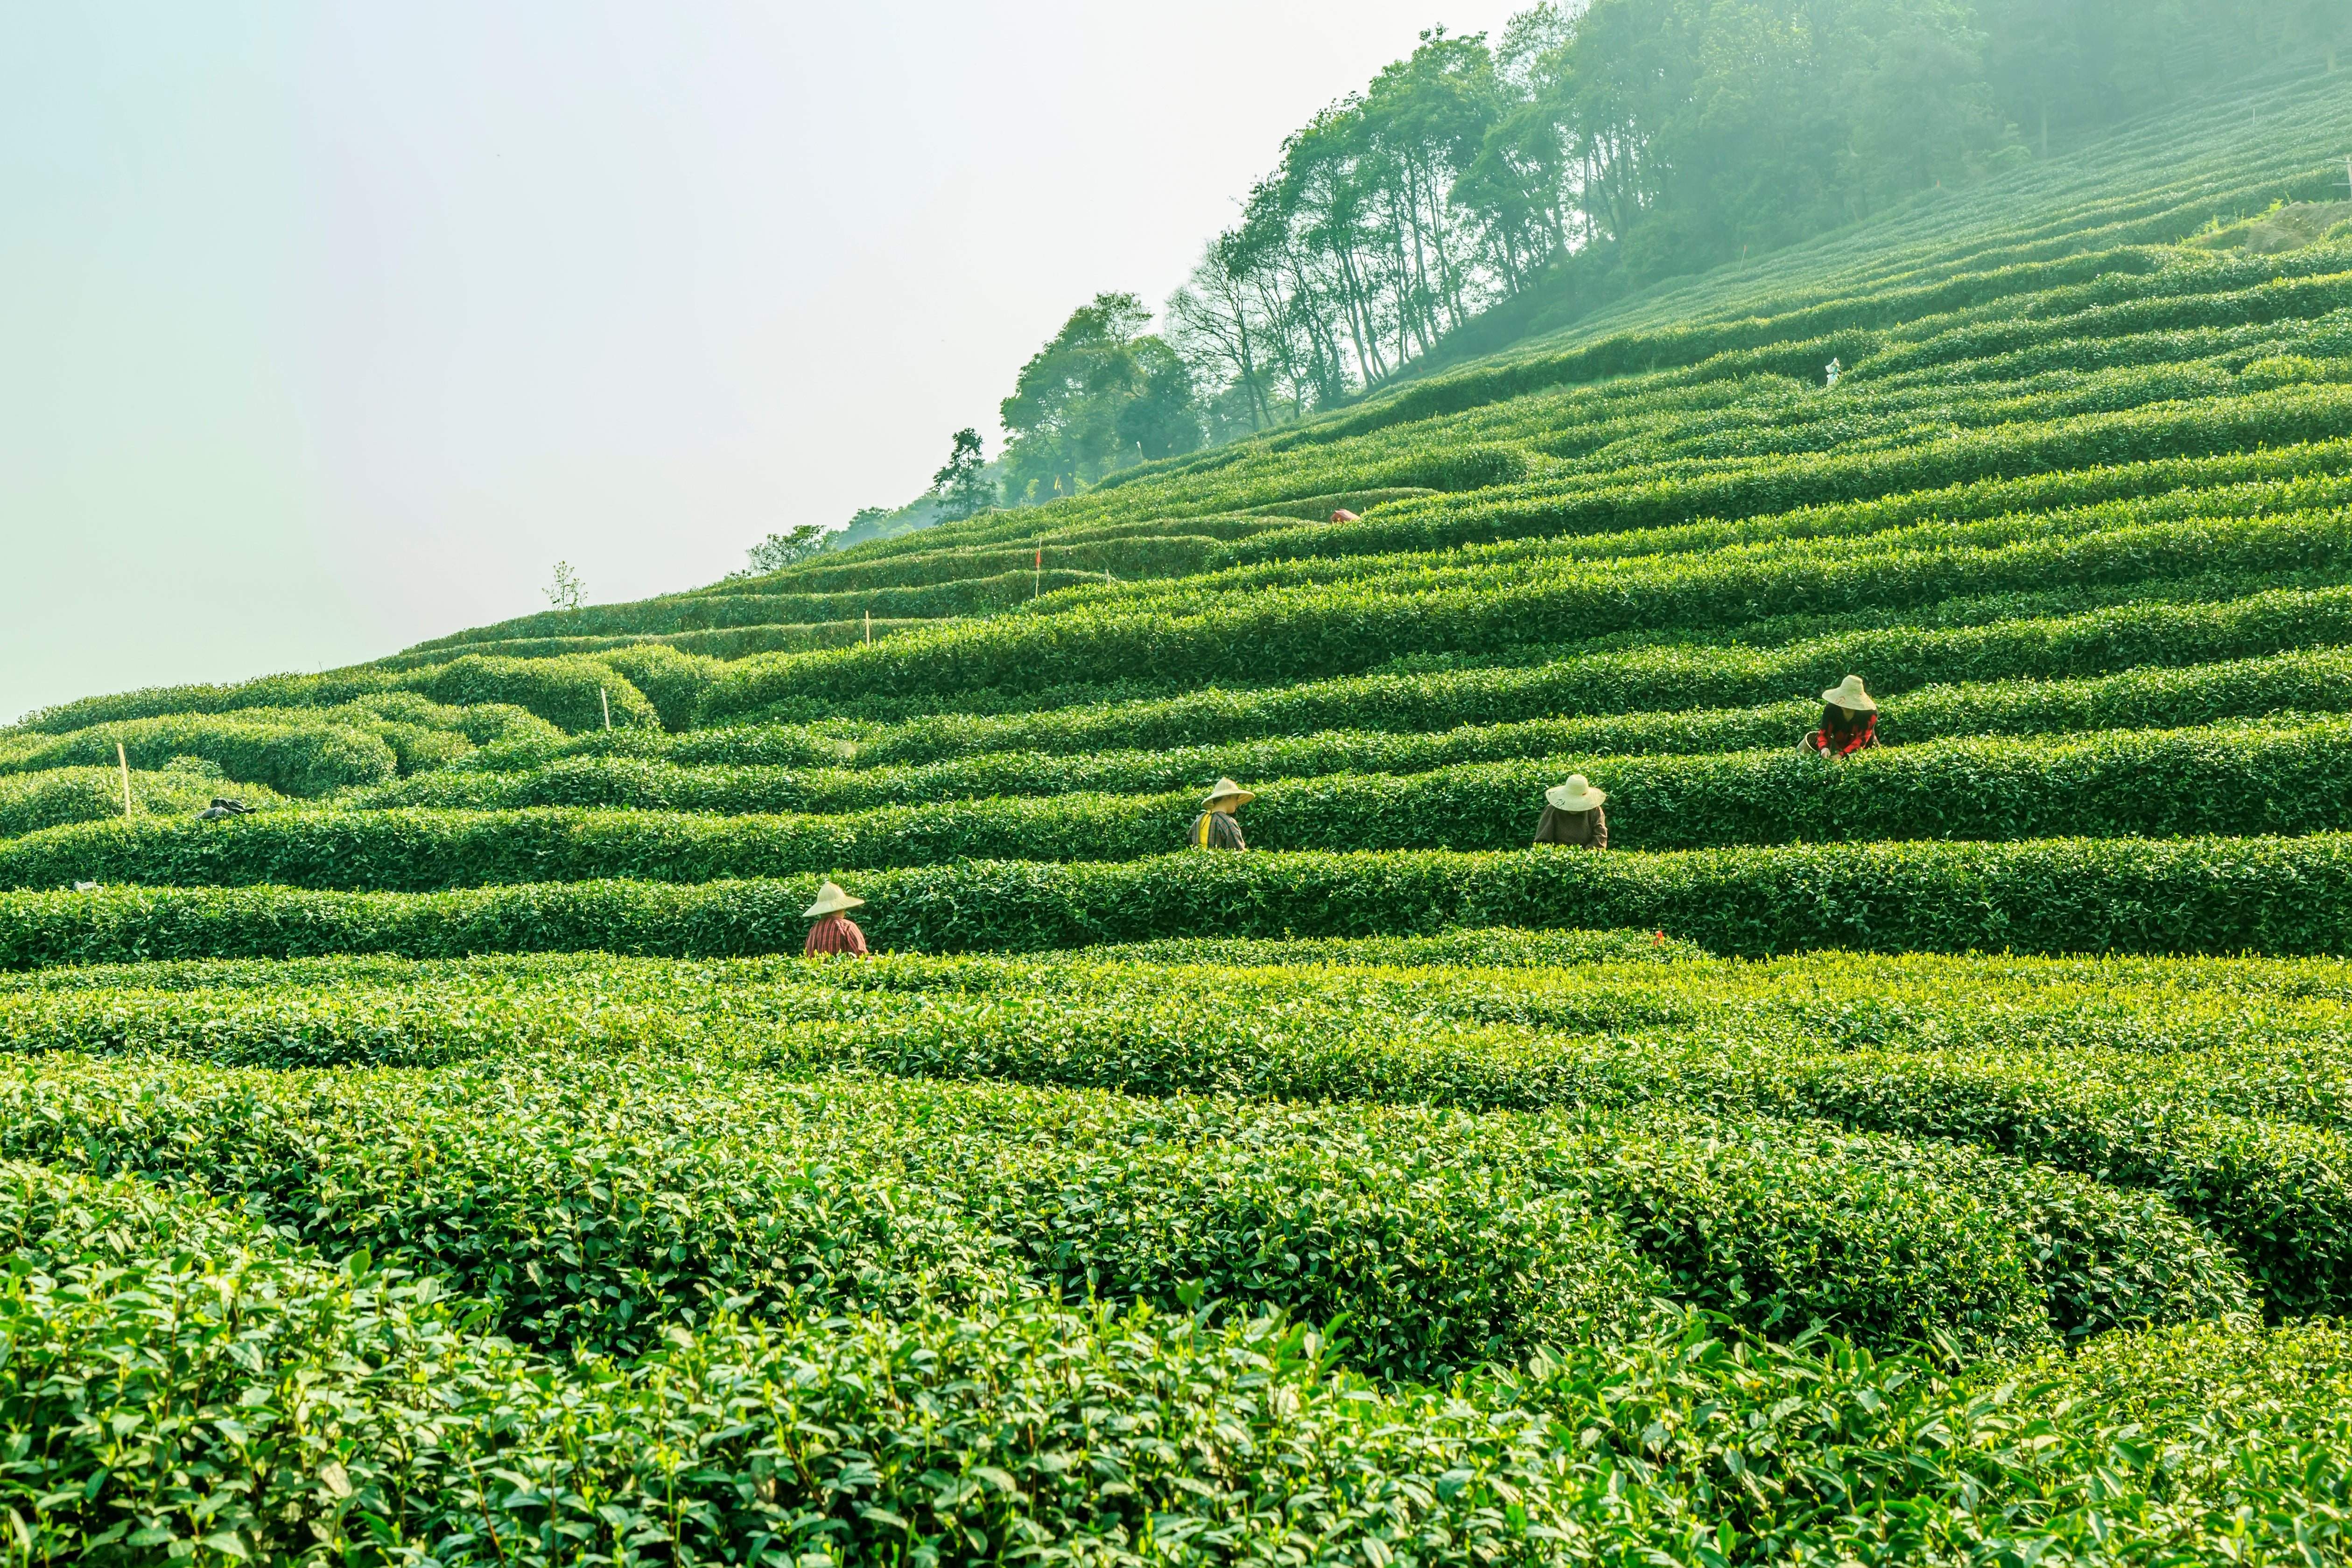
column 1367, row 337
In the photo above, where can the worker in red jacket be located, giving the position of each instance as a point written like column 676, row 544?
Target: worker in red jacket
column 1849, row 721
column 833, row 931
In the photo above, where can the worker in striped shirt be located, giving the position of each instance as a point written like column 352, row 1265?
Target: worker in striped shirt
column 833, row 931
column 1216, row 828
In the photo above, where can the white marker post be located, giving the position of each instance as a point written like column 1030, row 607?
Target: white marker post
column 608, row 706
column 124, row 757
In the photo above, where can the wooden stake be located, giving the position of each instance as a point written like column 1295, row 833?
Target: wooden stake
column 869, row 628
column 608, row 706
column 1038, row 587
column 124, row 757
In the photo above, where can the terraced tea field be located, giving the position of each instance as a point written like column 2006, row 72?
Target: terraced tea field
column 1938, row 1155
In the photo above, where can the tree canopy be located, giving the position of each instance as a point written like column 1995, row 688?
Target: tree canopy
column 1594, row 147
column 1102, row 393
column 963, row 485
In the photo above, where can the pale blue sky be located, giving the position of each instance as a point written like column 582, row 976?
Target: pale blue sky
column 328, row 327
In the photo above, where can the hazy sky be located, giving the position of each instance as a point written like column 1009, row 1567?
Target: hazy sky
column 328, row 327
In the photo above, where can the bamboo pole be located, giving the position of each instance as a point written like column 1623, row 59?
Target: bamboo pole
column 869, row 628
column 1037, row 587
column 124, row 757
column 608, row 706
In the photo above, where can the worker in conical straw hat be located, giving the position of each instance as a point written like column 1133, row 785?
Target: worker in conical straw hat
column 834, row 932
column 1216, row 828
column 1849, row 721
column 1572, row 815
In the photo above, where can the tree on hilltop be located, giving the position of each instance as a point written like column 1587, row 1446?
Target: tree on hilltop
column 1102, row 394
column 778, row 551
column 963, row 487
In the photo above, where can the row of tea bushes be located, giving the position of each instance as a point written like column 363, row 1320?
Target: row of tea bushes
column 417, row 1427
column 595, row 1202
column 2199, row 895
column 572, row 694
column 1311, row 632
column 2137, row 642
column 2226, row 780
column 814, row 779
column 36, row 803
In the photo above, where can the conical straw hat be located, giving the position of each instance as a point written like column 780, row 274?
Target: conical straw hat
column 830, row 900
column 1227, row 789
column 1848, row 693
column 1576, row 795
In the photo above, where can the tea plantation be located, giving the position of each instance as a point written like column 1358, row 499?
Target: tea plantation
column 1942, row 1155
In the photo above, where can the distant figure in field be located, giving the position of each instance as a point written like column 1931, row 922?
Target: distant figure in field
column 1216, row 828
column 833, row 931
column 220, row 808
column 1345, row 516
column 1572, row 815
column 1849, row 721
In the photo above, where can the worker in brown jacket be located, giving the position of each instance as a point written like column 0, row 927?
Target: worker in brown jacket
column 1216, row 828
column 834, row 932
column 1572, row 815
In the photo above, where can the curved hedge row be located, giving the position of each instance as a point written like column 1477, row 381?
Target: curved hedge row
column 297, row 760
column 418, row 1428
column 2162, row 783
column 1895, row 660
column 597, row 1205
column 2289, row 684
column 1673, row 585
column 805, row 1436
column 2067, row 285
column 2297, row 479
column 1000, row 590
column 562, row 691
column 2229, row 896
column 62, row 797
column 1996, row 1062
column 1764, row 485
column 1308, row 632
column 296, row 751
column 592, row 1203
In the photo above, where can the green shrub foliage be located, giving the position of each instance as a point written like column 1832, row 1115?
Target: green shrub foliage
column 1937, row 1157
column 2062, row 896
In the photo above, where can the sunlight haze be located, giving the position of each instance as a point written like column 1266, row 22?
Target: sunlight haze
column 329, row 328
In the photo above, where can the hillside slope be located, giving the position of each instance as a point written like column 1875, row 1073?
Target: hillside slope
column 2024, row 245
column 1938, row 1155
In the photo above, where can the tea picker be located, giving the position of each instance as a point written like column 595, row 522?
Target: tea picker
column 834, row 932
column 1572, row 815
column 1849, row 721
column 1216, row 828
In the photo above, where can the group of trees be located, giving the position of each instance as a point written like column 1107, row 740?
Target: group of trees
column 1594, row 146
column 1103, row 393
